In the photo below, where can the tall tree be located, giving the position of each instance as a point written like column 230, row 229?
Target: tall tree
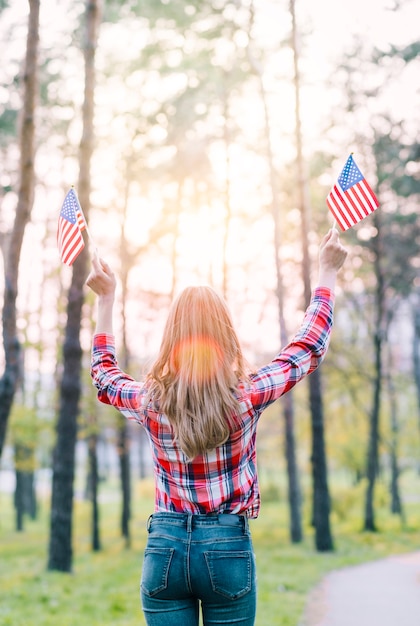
column 394, row 487
column 321, row 497
column 9, row 379
column 60, row 544
column 374, row 422
column 416, row 348
column 92, row 427
column 122, row 422
column 94, row 483
column 287, row 402
column 393, row 247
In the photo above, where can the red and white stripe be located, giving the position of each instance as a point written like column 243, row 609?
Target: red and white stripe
column 80, row 219
column 70, row 240
column 351, row 206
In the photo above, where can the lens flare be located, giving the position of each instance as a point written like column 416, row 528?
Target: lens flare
column 197, row 358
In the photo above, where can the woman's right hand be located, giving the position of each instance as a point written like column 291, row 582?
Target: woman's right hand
column 331, row 253
column 331, row 257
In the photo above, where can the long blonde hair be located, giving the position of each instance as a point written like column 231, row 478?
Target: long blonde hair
column 197, row 370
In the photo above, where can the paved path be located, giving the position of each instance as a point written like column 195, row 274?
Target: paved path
column 382, row 593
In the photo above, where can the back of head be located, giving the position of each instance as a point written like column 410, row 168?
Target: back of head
column 199, row 334
column 197, row 369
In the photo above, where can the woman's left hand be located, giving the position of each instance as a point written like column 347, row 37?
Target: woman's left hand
column 101, row 278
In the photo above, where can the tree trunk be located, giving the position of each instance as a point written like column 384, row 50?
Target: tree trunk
column 19, row 500
column 321, row 497
column 125, row 474
column 294, row 495
column 416, row 350
column 60, row 547
column 394, row 487
column 92, row 481
column 9, row 379
column 396, row 502
column 122, row 424
column 176, row 229
column 24, row 497
column 227, row 192
column 93, row 488
column 373, row 444
column 372, row 454
column 31, row 507
column 287, row 403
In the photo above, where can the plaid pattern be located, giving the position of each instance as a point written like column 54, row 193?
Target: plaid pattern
column 225, row 479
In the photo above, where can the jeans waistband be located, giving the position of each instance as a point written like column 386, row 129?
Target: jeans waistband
column 191, row 520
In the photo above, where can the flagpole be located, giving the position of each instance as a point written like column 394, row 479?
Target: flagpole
column 89, row 235
column 95, row 249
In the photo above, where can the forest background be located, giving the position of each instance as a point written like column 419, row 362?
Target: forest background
column 203, row 138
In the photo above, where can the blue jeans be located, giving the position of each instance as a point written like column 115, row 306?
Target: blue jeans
column 193, row 559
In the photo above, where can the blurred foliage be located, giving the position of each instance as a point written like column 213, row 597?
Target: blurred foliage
column 24, row 435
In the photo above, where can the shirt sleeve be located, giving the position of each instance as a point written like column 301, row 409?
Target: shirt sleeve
column 300, row 357
column 114, row 386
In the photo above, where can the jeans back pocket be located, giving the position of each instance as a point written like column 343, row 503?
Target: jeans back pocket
column 230, row 572
column 156, row 564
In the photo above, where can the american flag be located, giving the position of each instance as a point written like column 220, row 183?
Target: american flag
column 71, row 223
column 351, row 199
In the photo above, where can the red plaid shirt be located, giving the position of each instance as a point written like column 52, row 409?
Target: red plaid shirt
column 225, row 479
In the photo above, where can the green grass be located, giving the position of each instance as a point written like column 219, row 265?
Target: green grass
column 104, row 587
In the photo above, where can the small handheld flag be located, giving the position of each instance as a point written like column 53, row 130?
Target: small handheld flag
column 351, row 199
column 71, row 223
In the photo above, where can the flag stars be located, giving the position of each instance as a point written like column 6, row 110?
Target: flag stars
column 350, row 174
column 68, row 212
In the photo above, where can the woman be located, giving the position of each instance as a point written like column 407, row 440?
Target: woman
column 200, row 406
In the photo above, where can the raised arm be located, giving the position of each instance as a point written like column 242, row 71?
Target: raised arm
column 307, row 349
column 102, row 281
column 331, row 257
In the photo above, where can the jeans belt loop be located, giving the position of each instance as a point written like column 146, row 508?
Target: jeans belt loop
column 189, row 522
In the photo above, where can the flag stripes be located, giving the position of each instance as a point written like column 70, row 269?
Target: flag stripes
column 71, row 222
column 80, row 219
column 70, row 241
column 354, row 202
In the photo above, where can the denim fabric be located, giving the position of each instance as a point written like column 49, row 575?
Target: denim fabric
column 192, row 559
